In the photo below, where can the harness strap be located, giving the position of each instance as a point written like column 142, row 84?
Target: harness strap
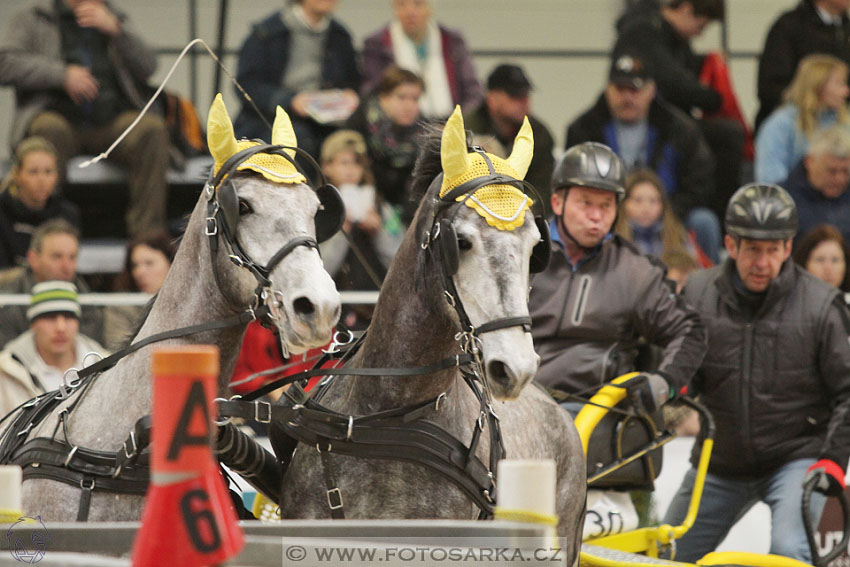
column 86, row 488
column 450, row 362
column 110, row 361
column 335, row 504
column 504, row 323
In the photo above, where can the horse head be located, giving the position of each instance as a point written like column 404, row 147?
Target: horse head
column 486, row 240
column 267, row 220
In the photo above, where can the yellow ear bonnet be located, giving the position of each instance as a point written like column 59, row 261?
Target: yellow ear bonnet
column 502, row 206
column 223, row 144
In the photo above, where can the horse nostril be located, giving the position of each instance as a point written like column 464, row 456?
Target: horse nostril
column 498, row 372
column 303, row 306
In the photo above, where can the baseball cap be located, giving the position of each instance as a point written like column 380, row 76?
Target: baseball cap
column 509, row 78
column 629, row 70
column 53, row 297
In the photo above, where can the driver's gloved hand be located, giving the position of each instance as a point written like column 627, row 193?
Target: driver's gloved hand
column 649, row 389
column 830, row 477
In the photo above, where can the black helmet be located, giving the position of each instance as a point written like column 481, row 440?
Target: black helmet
column 761, row 212
column 591, row 165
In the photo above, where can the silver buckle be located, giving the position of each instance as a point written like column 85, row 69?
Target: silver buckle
column 338, row 495
column 70, row 456
column 268, row 407
column 132, row 453
column 211, row 227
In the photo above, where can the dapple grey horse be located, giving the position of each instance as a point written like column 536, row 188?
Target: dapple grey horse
column 413, row 325
column 267, row 215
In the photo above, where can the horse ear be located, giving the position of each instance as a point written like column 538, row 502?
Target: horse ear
column 220, row 136
column 453, row 154
column 523, row 150
column 282, row 132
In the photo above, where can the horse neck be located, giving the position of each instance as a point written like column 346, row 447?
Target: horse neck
column 191, row 296
column 411, row 326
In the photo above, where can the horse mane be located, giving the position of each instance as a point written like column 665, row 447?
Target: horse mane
column 140, row 320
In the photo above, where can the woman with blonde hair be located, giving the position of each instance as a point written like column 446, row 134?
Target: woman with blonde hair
column 816, row 98
column 28, row 198
column 647, row 220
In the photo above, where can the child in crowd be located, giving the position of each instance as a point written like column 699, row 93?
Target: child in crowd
column 28, row 198
column 647, row 220
column 389, row 121
column 816, row 98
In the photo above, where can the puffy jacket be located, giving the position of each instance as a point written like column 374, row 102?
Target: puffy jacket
column 676, row 150
column 586, row 321
column 31, row 61
column 795, row 34
column 778, row 385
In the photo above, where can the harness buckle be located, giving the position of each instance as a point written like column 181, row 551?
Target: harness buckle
column 334, row 499
column 239, row 262
column 449, row 298
column 211, row 227
column 268, row 417
column 440, row 398
column 131, row 453
column 83, row 484
column 350, row 428
column 26, row 431
column 70, row 456
column 226, row 420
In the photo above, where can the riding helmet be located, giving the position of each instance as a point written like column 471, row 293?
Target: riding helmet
column 761, row 212
column 593, row 165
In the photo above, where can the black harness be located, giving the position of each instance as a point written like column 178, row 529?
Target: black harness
column 402, row 433
column 126, row 470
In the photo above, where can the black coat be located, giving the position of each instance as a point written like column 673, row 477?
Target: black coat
column 777, row 384
column 17, row 223
column 673, row 63
column 678, row 151
column 794, row 35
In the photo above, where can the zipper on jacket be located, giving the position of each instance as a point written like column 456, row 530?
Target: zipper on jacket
column 583, row 293
column 747, row 367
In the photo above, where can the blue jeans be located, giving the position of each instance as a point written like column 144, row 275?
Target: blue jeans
column 706, row 227
column 724, row 501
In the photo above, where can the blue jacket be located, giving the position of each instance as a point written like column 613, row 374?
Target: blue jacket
column 262, row 64
column 780, row 144
column 813, row 208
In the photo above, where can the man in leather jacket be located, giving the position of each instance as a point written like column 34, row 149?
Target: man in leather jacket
column 776, row 379
column 599, row 295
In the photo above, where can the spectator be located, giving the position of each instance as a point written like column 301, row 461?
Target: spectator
column 647, row 132
column 819, row 182
column 36, row 361
column 388, row 119
column 662, row 34
column 372, row 227
column 506, row 103
column 823, row 252
column 814, row 26
column 146, row 264
column 79, row 74
column 680, row 265
column 817, row 98
column 776, row 379
column 646, row 219
column 52, row 256
column 414, row 41
column 295, row 56
column 28, row 198
column 599, row 296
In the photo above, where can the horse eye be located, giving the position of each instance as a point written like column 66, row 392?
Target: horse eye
column 464, row 244
column 244, row 208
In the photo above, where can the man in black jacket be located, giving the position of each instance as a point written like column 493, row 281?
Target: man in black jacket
column 661, row 31
column 814, row 26
column 776, row 379
column 645, row 131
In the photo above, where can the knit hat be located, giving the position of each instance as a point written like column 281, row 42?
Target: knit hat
column 53, row 297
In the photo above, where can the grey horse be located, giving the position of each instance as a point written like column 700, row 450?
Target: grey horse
column 304, row 299
column 413, row 325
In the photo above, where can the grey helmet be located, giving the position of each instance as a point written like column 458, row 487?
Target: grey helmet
column 761, row 212
column 593, row 165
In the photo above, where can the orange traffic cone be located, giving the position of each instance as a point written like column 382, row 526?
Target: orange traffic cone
column 188, row 519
